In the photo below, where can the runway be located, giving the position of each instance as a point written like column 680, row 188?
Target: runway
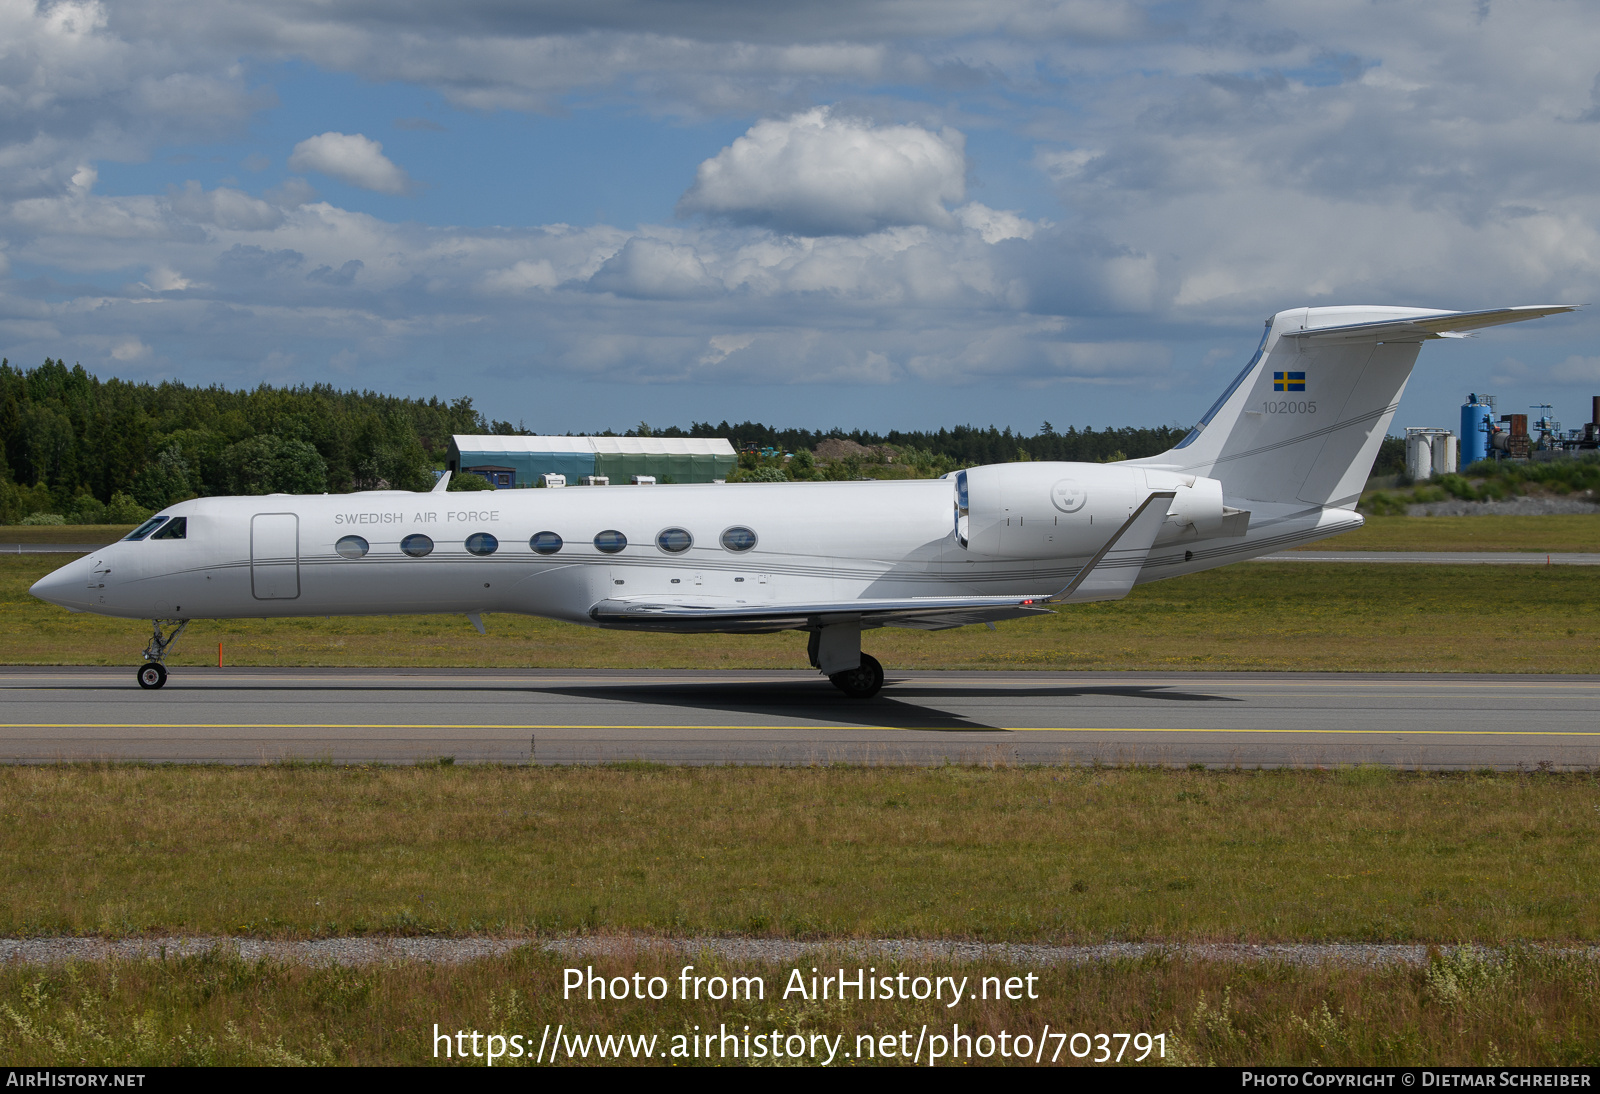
column 250, row 716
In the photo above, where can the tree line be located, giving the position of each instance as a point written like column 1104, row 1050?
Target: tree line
column 971, row 446
column 111, row 451
column 962, row 445
column 95, row 450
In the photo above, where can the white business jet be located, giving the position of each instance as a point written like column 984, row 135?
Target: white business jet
column 1279, row 460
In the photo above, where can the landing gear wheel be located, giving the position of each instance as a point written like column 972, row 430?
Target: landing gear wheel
column 152, row 675
column 860, row 683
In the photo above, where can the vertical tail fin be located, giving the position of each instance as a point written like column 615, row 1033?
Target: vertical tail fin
column 1304, row 420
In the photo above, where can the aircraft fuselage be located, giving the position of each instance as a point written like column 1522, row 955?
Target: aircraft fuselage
column 732, row 544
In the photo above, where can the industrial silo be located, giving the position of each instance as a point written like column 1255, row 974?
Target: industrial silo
column 1475, row 413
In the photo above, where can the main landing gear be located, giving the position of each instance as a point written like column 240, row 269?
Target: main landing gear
column 860, row 683
column 835, row 650
column 153, row 673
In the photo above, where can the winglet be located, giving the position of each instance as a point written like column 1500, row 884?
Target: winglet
column 1111, row 573
column 442, row 485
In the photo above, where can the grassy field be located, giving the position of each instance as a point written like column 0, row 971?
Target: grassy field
column 1459, row 1010
column 1030, row 854
column 1259, row 615
column 1573, row 532
column 63, row 533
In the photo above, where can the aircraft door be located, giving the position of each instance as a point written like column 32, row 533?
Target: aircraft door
column 275, row 556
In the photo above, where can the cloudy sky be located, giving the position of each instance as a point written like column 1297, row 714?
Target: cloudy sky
column 874, row 213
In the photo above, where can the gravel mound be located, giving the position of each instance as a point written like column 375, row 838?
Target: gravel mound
column 1522, row 505
column 451, row 951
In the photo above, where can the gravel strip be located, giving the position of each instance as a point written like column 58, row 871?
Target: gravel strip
column 1521, row 505
column 451, row 951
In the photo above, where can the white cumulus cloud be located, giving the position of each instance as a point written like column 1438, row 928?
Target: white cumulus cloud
column 654, row 269
column 352, row 158
column 821, row 174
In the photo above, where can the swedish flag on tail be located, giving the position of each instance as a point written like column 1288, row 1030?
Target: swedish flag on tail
column 1288, row 381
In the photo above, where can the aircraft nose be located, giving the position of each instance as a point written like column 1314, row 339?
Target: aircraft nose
column 66, row 587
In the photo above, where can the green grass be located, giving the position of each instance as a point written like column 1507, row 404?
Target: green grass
column 63, row 533
column 1259, row 615
column 1033, row 854
column 1530, row 1010
column 1538, row 534
column 1489, row 480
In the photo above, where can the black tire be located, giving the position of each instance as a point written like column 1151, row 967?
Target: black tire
column 152, row 675
column 863, row 682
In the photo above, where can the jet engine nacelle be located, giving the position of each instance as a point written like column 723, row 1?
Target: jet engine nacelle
column 1045, row 510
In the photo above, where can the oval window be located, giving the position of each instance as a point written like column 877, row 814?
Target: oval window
column 417, row 545
column 610, row 541
column 674, row 541
column 738, row 538
column 351, row 546
column 546, row 543
column 482, row 543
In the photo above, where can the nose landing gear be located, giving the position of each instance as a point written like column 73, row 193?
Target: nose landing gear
column 153, row 674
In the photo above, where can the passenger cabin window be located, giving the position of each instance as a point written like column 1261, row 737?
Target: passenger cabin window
column 351, row 547
column 610, row 541
column 674, row 541
column 176, row 528
column 545, row 543
column 417, row 545
column 482, row 543
column 738, row 538
column 144, row 529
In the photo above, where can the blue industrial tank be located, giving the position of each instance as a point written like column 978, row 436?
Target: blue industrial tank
column 1474, row 434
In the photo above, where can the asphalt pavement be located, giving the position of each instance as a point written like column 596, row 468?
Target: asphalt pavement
column 248, row 716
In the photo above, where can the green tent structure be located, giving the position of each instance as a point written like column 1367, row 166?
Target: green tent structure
column 510, row 462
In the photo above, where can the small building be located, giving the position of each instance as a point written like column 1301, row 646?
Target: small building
column 523, row 461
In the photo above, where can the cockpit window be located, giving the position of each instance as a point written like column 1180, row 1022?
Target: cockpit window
column 144, row 529
column 176, row 528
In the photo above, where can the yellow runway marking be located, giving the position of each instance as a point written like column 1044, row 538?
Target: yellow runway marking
column 493, row 683
column 898, row 729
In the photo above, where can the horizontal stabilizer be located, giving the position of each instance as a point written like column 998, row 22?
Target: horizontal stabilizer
column 1423, row 327
column 711, row 616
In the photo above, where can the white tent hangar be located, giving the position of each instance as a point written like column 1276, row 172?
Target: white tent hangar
column 521, row 461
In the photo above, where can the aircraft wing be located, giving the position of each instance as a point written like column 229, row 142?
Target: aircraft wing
column 1107, row 576
column 929, row 613
column 1111, row 573
column 1448, row 325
